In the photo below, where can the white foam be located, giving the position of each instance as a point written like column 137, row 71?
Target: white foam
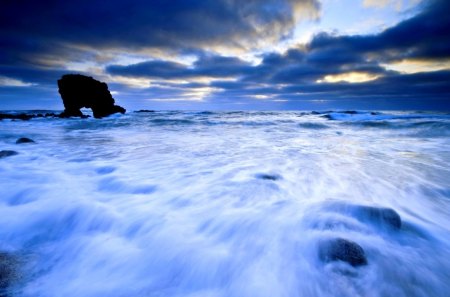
column 127, row 206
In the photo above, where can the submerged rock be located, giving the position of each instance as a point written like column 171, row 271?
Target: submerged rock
column 6, row 153
column 78, row 91
column 339, row 249
column 24, row 140
column 267, row 176
column 380, row 216
column 7, row 272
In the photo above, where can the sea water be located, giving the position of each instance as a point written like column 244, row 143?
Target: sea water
column 225, row 204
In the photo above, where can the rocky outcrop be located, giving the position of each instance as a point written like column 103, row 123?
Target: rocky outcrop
column 78, row 91
column 26, row 116
column 20, row 116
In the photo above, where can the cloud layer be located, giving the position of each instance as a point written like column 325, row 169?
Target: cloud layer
column 357, row 71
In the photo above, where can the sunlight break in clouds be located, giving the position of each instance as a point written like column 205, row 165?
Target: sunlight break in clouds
column 350, row 77
column 411, row 66
column 398, row 4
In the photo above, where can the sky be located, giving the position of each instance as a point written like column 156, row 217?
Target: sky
column 230, row 54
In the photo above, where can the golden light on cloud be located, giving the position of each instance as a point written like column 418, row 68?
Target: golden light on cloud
column 350, row 77
column 416, row 66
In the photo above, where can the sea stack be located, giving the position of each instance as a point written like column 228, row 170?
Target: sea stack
column 79, row 91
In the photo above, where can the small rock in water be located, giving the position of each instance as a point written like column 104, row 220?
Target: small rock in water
column 24, row 140
column 266, row 176
column 6, row 153
column 339, row 249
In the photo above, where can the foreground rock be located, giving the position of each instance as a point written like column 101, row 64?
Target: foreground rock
column 79, row 91
column 8, row 272
column 379, row 216
column 339, row 249
column 24, row 140
column 6, row 153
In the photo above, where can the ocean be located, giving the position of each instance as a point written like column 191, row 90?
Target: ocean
column 225, row 204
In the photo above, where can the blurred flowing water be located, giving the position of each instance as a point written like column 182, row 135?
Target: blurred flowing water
column 225, row 204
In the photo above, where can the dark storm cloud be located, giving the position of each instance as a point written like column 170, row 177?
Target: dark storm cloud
column 28, row 27
column 425, row 36
column 206, row 66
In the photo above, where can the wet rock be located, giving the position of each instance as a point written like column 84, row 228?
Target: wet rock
column 266, row 176
column 6, row 153
column 26, row 116
column 339, row 249
column 24, row 140
column 78, row 91
column 380, row 216
column 21, row 116
column 8, row 273
column 145, row 110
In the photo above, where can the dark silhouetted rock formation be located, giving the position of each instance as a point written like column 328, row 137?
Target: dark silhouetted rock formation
column 24, row 140
column 339, row 249
column 78, row 91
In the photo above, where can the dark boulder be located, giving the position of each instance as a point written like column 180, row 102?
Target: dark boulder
column 6, row 153
column 339, row 249
column 78, row 91
column 24, row 140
